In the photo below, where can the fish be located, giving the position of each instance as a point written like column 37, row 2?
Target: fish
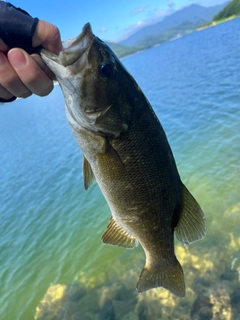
column 126, row 151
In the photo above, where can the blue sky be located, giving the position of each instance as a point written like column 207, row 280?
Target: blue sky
column 110, row 20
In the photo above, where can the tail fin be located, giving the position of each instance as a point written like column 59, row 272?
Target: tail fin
column 171, row 278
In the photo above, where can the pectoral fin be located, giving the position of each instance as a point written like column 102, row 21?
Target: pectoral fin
column 116, row 236
column 88, row 176
column 192, row 225
column 111, row 165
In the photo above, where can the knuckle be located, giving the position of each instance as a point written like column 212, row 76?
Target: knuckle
column 55, row 33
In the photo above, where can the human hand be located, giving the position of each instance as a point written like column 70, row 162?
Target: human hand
column 22, row 74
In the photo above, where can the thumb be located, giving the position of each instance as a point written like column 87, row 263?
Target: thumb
column 48, row 36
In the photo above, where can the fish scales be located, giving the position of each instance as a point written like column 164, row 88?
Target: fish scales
column 126, row 151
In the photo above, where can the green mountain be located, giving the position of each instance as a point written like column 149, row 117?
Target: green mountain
column 232, row 9
column 178, row 24
column 120, row 50
column 170, row 34
column 193, row 14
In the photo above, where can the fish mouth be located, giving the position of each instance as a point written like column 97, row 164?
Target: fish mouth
column 72, row 51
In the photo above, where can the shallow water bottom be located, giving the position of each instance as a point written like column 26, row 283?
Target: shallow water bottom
column 212, row 276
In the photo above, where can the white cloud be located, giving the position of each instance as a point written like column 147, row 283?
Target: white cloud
column 102, row 30
column 139, row 9
column 153, row 18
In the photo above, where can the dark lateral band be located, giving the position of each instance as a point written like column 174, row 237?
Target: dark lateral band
column 16, row 27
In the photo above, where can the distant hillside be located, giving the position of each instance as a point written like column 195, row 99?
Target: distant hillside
column 170, row 34
column 232, row 9
column 121, row 50
column 174, row 26
column 193, row 14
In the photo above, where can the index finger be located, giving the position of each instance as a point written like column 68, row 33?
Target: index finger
column 48, row 36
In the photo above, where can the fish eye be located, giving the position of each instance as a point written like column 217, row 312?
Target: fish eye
column 106, row 69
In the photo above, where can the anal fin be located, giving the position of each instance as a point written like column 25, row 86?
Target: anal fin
column 192, row 225
column 116, row 236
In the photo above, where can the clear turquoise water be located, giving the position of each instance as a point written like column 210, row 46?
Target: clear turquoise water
column 51, row 228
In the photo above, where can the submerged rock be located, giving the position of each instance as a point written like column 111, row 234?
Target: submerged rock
column 61, row 302
column 202, row 309
column 221, row 305
column 212, row 292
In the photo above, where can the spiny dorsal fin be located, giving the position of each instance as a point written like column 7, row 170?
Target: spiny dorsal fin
column 88, row 176
column 192, row 225
column 116, row 236
column 170, row 278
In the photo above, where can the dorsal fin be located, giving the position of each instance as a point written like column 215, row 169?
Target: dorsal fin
column 192, row 225
column 88, row 176
column 116, row 236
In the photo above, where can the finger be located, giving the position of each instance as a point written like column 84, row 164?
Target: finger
column 3, row 46
column 4, row 94
column 36, row 57
column 48, row 36
column 31, row 75
column 10, row 80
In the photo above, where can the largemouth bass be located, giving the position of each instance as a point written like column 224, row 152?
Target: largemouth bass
column 126, row 151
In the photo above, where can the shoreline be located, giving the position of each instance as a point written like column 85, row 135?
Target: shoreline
column 210, row 25
column 215, row 23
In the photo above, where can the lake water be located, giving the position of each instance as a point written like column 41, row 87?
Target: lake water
column 52, row 262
